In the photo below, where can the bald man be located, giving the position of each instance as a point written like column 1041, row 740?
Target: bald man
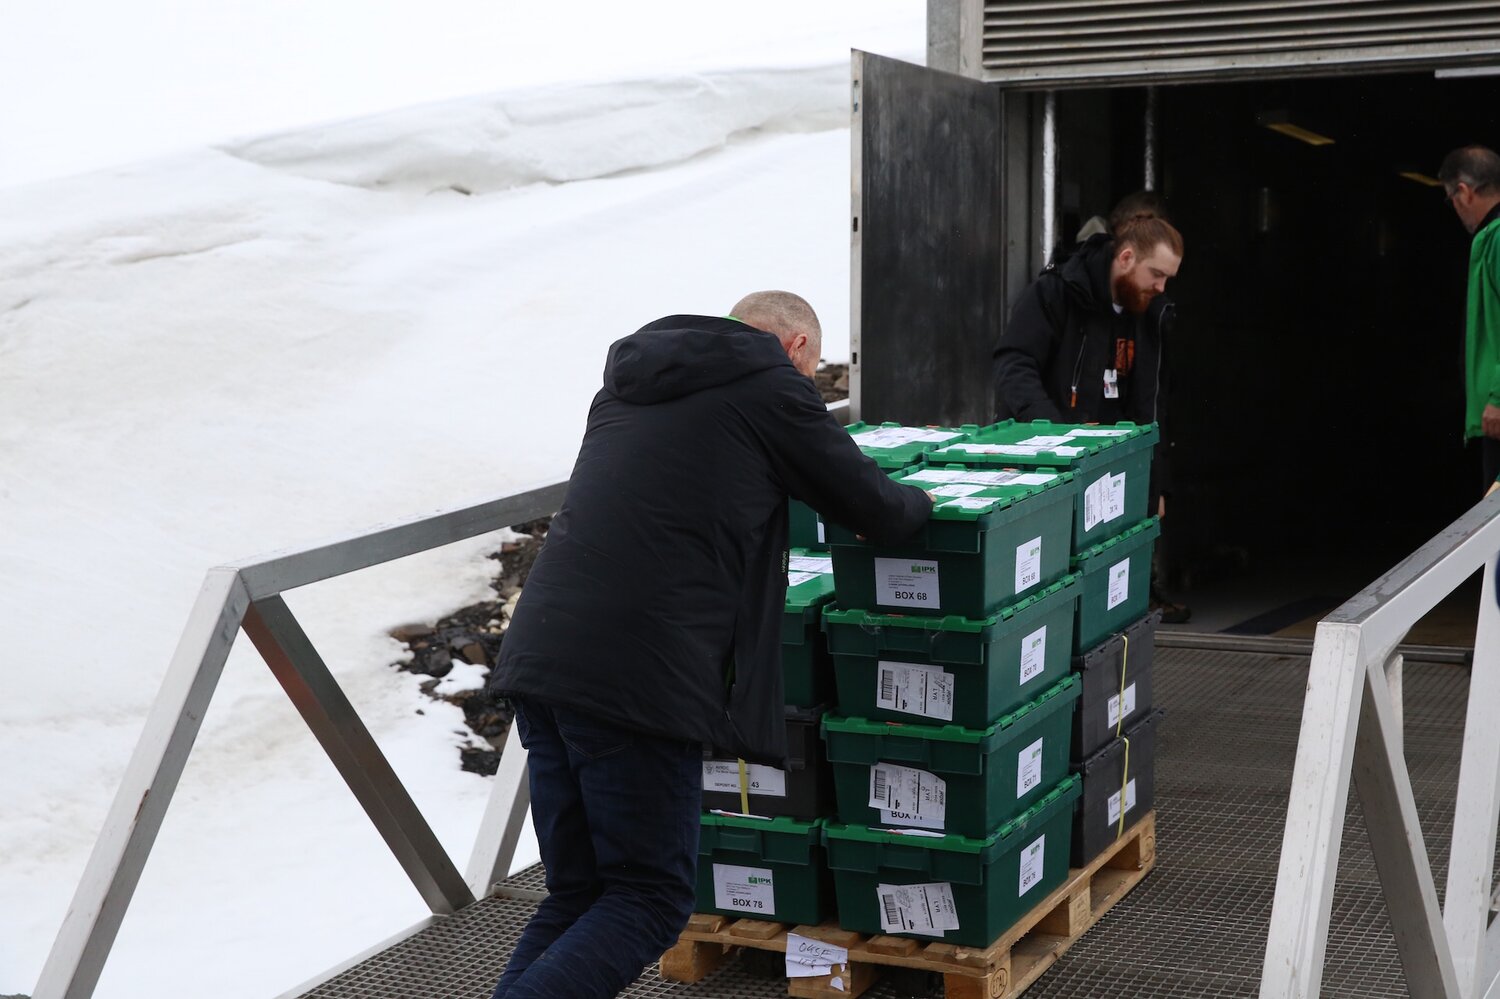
column 650, row 625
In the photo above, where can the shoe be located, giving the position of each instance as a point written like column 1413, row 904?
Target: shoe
column 1171, row 613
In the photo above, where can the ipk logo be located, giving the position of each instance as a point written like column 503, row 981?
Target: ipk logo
column 924, row 569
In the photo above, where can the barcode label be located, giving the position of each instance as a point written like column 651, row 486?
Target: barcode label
column 908, row 791
column 914, row 689
column 926, row 909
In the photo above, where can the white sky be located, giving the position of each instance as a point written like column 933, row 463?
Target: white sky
column 92, row 83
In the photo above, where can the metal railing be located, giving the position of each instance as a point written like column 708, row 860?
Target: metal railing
column 1351, row 726
column 247, row 596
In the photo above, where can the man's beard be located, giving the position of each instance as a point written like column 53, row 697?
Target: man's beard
column 1131, row 298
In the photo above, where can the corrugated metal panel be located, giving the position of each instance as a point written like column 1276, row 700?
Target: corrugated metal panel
column 1067, row 42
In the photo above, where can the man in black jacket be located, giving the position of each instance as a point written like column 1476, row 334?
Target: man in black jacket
column 650, row 624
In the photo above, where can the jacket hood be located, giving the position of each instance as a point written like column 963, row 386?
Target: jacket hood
column 680, row 355
column 1085, row 272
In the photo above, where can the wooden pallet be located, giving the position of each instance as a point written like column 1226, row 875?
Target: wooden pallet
column 1000, row 971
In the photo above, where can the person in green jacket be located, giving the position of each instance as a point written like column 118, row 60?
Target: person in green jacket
column 1471, row 180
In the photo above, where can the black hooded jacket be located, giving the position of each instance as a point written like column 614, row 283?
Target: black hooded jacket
column 1062, row 337
column 656, row 601
column 1064, row 334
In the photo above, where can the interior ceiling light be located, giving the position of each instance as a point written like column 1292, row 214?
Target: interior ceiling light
column 1280, row 121
column 1420, row 178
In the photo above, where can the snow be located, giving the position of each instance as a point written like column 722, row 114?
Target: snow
column 257, row 343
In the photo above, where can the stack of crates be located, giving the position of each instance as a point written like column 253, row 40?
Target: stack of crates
column 1113, row 744
column 760, row 844
column 950, row 733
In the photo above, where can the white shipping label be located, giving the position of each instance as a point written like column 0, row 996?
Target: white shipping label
column 1028, row 769
column 971, row 502
column 795, row 578
column 1032, row 478
column 820, row 564
column 908, row 790
column 957, row 489
column 927, row 909
column 937, row 475
column 822, row 538
column 914, row 689
column 1019, row 450
column 1028, row 564
column 724, row 775
column 806, row 957
column 884, row 437
column 1044, row 440
column 1119, row 584
column 1127, row 699
column 1098, row 432
column 902, row 582
column 1094, row 499
column 744, row 889
column 1114, row 802
column 1031, row 864
column 1114, row 503
column 909, row 820
column 1034, row 654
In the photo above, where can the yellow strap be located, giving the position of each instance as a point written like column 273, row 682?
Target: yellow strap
column 744, row 789
column 1124, row 784
column 1124, row 659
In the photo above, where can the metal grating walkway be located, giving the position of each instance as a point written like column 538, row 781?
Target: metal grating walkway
column 1195, row 928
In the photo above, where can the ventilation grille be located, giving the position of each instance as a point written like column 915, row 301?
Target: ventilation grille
column 1073, row 42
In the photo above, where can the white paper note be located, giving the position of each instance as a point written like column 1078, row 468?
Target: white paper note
column 917, row 793
column 1044, row 440
column 821, row 564
column 806, row 958
column 1034, row 654
column 926, row 909
column 971, row 502
column 901, row 582
column 724, row 775
column 914, row 689
column 1119, row 584
column 1114, row 802
column 744, row 889
column 957, row 489
column 1098, row 432
column 1028, row 768
column 1028, row 564
column 1031, row 864
column 1128, row 699
column 795, row 578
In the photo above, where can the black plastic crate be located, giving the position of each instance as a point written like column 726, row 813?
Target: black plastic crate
column 803, row 791
column 1104, row 694
column 1118, row 777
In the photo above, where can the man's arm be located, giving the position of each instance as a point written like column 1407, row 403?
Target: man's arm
column 1490, row 418
column 820, row 464
column 1022, row 355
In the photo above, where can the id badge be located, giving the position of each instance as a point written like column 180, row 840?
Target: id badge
column 1111, row 383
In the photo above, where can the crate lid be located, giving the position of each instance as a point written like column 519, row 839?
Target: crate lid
column 781, row 824
column 1042, row 442
column 1115, row 747
column 1143, row 531
column 809, row 579
column 892, row 445
column 967, row 494
column 1068, row 688
column 870, row 620
column 1108, row 650
column 1066, row 790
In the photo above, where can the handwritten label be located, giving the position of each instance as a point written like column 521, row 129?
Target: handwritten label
column 807, row 958
column 926, row 909
column 914, row 689
column 916, row 793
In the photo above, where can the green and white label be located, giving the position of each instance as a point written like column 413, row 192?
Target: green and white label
column 904, row 582
column 744, row 889
column 1121, row 705
column 1114, row 802
column 1104, row 501
column 1028, row 564
column 1119, row 584
column 724, row 775
column 926, row 909
column 919, row 796
column 914, row 689
column 1034, row 654
column 1031, row 864
column 1028, row 769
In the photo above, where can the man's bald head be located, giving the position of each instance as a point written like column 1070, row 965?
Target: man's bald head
column 792, row 320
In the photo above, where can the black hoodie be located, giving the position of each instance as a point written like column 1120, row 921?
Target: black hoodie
column 656, row 602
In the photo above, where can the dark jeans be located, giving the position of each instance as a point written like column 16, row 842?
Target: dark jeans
column 1489, row 459
column 616, row 816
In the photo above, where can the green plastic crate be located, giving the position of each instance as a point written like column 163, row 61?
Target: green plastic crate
column 763, row 868
column 1116, row 584
column 993, row 538
column 968, row 782
column 960, row 890
column 933, row 670
column 806, row 672
column 807, row 528
column 1112, row 465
